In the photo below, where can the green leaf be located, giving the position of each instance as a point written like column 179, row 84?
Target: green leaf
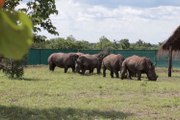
column 15, row 34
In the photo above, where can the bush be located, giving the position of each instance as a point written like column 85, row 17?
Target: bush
column 13, row 68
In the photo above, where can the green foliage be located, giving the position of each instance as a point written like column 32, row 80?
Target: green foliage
column 14, row 68
column 16, row 30
column 16, row 34
column 39, row 38
column 141, row 45
column 40, row 41
column 61, row 43
column 68, row 43
column 124, row 44
column 104, row 43
column 40, row 11
column 15, row 39
column 10, row 4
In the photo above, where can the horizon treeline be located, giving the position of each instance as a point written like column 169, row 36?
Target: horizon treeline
column 104, row 43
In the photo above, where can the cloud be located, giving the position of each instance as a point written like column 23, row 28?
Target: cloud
column 132, row 3
column 21, row 5
column 87, row 21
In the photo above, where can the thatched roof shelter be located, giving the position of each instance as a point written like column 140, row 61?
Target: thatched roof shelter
column 173, row 41
column 170, row 45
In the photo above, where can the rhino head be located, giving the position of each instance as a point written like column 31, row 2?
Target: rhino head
column 151, row 74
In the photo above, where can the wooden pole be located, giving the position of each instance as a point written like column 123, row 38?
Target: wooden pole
column 170, row 62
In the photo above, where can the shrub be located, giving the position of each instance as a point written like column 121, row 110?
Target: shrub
column 13, row 68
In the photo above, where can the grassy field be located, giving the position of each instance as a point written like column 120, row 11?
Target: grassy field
column 44, row 95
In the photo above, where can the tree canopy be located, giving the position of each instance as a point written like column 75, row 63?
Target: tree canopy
column 39, row 11
column 16, row 25
column 16, row 33
column 104, row 43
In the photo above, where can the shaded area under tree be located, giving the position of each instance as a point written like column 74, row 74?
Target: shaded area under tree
column 15, row 112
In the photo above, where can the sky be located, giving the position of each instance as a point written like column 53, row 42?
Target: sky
column 152, row 21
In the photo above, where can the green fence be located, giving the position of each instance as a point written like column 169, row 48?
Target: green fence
column 40, row 56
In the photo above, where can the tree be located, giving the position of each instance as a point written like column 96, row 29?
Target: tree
column 16, row 38
column 80, row 45
column 41, row 42
column 16, row 34
column 104, row 43
column 39, row 11
column 141, row 45
column 19, row 27
column 139, row 42
column 11, row 4
column 124, row 44
column 69, row 43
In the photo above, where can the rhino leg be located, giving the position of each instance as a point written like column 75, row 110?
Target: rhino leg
column 83, row 71
column 117, row 74
column 123, row 72
column 139, row 75
column 112, row 74
column 129, row 75
column 98, row 70
column 104, row 71
column 65, row 69
column 73, row 69
column 91, row 70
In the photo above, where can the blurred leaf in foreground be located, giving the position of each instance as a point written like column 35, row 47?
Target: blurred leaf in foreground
column 15, row 34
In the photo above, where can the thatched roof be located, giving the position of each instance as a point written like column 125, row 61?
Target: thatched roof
column 173, row 46
column 173, row 41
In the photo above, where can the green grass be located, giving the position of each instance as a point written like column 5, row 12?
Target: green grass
column 55, row 95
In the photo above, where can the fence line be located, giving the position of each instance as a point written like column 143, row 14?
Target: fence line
column 40, row 56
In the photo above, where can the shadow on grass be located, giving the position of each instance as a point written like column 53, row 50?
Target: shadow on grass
column 15, row 112
column 28, row 79
column 34, row 79
column 90, row 74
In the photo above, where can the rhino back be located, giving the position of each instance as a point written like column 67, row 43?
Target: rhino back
column 135, row 63
column 92, row 59
column 110, row 60
column 61, row 59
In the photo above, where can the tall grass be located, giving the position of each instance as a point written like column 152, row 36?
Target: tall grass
column 42, row 94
